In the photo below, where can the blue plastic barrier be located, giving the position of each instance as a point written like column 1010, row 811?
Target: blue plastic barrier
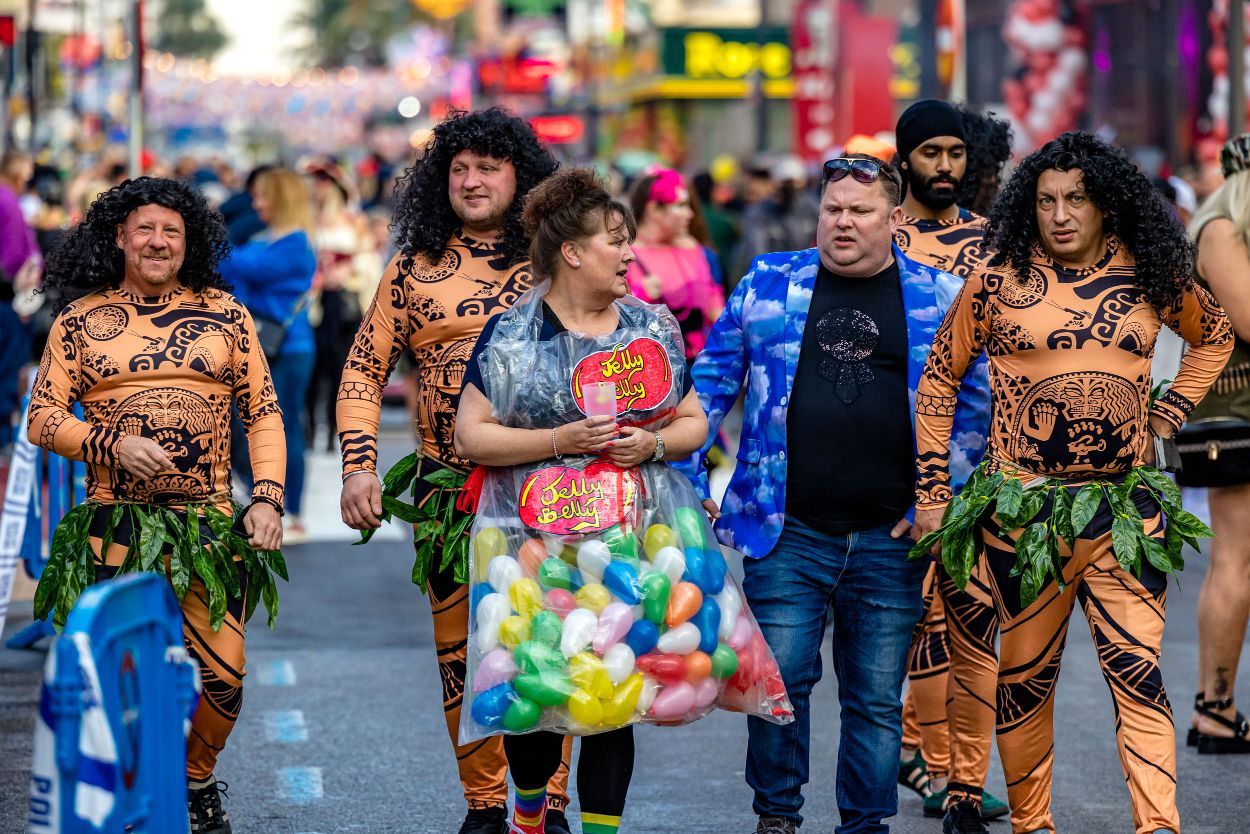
column 147, row 690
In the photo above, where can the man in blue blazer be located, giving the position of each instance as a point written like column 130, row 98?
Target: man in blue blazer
column 828, row 345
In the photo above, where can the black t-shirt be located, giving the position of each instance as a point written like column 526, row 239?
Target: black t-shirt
column 851, row 457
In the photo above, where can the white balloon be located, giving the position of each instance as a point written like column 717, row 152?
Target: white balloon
column 650, row 688
column 669, row 560
column 502, row 572
column 1072, row 60
column 619, row 661
column 1044, row 100
column 579, row 630
column 592, row 559
column 492, row 610
column 680, row 640
column 730, row 603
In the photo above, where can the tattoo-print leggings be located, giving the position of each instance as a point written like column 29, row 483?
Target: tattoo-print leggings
column 219, row 654
column 1126, row 617
column 952, row 673
column 482, row 765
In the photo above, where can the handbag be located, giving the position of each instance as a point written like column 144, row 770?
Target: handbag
column 271, row 333
column 1215, row 452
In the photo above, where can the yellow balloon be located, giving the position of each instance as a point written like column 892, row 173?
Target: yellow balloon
column 723, row 169
column 657, row 537
column 526, row 597
column 585, row 708
column 487, row 544
column 593, row 596
column 588, row 672
column 619, row 709
column 514, row 631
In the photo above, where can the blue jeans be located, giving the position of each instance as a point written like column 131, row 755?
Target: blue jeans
column 874, row 593
column 292, row 373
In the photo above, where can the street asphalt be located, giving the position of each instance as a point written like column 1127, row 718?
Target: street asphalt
column 342, row 728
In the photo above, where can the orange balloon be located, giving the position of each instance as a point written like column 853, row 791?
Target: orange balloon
column 532, row 554
column 698, row 666
column 683, row 601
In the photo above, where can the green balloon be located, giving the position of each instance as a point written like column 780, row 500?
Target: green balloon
column 522, row 715
column 691, row 527
column 555, row 573
column 656, row 588
column 546, row 627
column 624, row 546
column 535, row 656
column 550, row 689
column 724, row 661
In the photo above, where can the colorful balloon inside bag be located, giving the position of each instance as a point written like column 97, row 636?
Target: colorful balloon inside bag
column 600, row 595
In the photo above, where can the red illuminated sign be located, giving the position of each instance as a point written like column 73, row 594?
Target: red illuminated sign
column 558, row 130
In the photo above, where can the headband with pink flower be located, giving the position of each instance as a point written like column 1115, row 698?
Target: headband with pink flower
column 665, row 187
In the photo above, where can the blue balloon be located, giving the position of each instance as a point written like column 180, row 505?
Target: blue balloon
column 621, row 578
column 642, row 637
column 714, row 571
column 476, row 595
column 707, row 620
column 489, row 706
column 696, row 566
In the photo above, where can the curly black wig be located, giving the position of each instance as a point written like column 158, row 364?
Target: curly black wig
column 88, row 260
column 1132, row 210
column 989, row 148
column 424, row 220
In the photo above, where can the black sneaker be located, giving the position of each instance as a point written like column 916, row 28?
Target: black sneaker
column 492, row 820
column 775, row 825
column 963, row 818
column 556, row 822
column 204, row 809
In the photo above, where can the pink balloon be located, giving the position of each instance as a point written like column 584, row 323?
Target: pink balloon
column 496, row 668
column 614, row 624
column 673, row 701
column 560, row 601
column 705, row 692
column 741, row 634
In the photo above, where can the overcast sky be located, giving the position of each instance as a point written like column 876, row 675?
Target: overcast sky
column 261, row 38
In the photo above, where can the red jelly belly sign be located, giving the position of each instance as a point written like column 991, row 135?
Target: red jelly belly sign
column 562, row 501
column 641, row 371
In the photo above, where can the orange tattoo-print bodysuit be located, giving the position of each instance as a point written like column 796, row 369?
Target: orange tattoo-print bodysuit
column 438, row 311
column 166, row 368
column 1069, row 355
column 955, row 246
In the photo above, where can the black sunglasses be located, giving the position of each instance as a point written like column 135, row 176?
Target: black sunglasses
column 863, row 170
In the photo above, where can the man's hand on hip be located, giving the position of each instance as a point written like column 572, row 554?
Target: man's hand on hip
column 263, row 526
column 361, row 503
column 926, row 522
column 142, row 456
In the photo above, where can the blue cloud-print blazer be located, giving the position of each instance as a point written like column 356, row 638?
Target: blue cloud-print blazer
column 757, row 341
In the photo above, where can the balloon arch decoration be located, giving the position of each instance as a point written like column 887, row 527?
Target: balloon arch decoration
column 1046, row 94
column 1217, row 59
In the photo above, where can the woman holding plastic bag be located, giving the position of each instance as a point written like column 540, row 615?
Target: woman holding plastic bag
column 600, row 597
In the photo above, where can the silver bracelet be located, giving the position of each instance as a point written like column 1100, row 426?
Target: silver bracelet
column 555, row 450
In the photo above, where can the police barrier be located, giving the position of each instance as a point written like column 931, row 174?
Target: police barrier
column 118, row 693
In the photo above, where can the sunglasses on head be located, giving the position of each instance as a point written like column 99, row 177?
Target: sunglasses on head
column 863, row 170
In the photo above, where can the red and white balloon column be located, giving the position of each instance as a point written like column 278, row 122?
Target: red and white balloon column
column 1217, row 58
column 1046, row 94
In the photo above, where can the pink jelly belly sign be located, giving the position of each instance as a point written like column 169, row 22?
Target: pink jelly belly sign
column 640, row 370
column 563, row 501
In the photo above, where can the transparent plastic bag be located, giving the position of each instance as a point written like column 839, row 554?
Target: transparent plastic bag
column 599, row 595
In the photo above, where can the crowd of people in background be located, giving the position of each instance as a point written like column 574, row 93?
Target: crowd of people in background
column 310, row 240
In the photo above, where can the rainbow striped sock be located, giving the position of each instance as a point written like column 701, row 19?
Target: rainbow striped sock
column 600, row 823
column 529, row 810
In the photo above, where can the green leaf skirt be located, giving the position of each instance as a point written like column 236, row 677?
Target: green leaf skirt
column 1037, row 548
column 199, row 542
column 437, row 526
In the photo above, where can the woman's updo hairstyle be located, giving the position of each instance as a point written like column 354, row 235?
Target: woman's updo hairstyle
column 571, row 204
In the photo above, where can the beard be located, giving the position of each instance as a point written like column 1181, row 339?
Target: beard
column 927, row 194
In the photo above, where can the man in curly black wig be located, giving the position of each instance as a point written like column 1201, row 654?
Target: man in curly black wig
column 462, row 259
column 989, row 149
column 1090, row 266
column 155, row 350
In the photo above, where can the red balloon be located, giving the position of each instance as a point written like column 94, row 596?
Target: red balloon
column 1033, row 10
column 666, row 668
column 1034, row 82
column 1217, row 57
column 1074, row 37
column 748, row 670
column 1042, row 62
